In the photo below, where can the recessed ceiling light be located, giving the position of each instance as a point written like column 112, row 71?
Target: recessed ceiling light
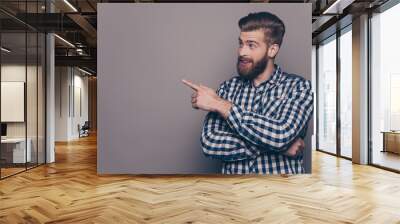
column 64, row 40
column 5, row 49
column 337, row 7
column 84, row 71
column 70, row 5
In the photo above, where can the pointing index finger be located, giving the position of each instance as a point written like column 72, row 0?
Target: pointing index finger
column 191, row 85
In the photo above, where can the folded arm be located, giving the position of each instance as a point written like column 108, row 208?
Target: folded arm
column 274, row 132
column 220, row 142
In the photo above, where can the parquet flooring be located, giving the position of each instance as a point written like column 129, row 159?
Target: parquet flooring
column 70, row 191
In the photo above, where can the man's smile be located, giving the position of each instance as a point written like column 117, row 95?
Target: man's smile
column 245, row 62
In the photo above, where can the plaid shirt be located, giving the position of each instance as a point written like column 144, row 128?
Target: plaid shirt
column 262, row 123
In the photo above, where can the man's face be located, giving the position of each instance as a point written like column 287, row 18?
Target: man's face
column 252, row 54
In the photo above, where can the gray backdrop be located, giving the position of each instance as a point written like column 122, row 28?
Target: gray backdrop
column 146, row 124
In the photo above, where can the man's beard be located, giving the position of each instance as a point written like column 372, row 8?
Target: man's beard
column 254, row 70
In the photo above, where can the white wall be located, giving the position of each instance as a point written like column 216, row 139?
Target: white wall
column 62, row 81
column 16, row 72
column 70, row 83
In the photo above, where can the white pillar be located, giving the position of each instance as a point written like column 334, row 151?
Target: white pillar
column 50, row 91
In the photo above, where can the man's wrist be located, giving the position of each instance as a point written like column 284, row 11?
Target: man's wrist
column 223, row 107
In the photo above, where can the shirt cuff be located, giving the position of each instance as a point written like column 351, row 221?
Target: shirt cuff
column 234, row 117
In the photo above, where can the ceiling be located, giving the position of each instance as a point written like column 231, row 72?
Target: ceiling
column 76, row 22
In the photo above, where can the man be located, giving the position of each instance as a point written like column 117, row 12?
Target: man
column 256, row 120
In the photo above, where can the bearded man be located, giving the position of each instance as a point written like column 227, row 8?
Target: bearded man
column 258, row 119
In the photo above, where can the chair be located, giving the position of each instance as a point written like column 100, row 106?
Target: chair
column 84, row 130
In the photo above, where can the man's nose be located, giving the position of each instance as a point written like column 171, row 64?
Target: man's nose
column 243, row 51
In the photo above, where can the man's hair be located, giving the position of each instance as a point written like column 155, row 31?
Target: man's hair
column 273, row 27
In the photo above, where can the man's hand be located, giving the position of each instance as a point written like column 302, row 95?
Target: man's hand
column 204, row 98
column 295, row 148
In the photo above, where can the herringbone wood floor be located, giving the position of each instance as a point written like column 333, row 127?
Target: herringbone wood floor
column 70, row 191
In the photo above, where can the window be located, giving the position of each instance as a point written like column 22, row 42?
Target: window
column 346, row 92
column 385, row 89
column 327, row 95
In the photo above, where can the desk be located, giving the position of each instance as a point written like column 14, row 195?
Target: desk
column 391, row 141
column 13, row 150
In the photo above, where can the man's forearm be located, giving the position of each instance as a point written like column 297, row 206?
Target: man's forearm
column 222, row 107
column 220, row 142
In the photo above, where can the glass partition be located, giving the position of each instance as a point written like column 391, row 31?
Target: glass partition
column 31, row 100
column 22, row 100
column 41, row 87
column 14, row 153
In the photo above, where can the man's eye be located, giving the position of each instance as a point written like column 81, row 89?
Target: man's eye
column 252, row 45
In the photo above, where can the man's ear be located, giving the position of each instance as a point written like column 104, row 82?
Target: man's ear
column 273, row 50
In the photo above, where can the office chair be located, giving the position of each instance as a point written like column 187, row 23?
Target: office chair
column 84, row 130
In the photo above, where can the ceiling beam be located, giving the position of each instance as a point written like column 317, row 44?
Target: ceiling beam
column 85, row 25
column 84, row 61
